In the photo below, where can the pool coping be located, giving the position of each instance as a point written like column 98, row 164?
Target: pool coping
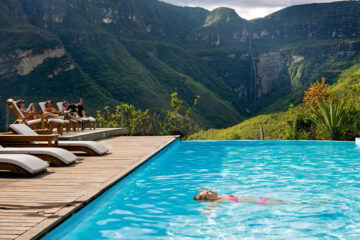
column 49, row 224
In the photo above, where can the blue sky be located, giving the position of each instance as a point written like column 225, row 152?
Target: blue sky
column 248, row 9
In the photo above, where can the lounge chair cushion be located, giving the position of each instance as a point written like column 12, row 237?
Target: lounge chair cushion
column 59, row 153
column 97, row 147
column 31, row 122
column 22, row 129
column 29, row 163
column 92, row 119
column 57, row 120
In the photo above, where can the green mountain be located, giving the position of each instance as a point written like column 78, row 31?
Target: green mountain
column 139, row 51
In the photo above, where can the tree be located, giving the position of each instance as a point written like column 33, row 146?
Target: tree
column 317, row 92
column 179, row 121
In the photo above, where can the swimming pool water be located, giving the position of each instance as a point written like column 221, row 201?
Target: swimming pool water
column 155, row 202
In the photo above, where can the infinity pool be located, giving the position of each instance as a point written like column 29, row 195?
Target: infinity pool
column 155, row 202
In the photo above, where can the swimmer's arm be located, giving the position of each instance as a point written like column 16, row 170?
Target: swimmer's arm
column 211, row 207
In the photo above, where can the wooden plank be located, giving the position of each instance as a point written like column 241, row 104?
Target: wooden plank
column 19, row 224
column 15, row 228
column 8, row 236
column 11, row 231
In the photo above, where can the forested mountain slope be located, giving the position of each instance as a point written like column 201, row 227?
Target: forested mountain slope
column 139, row 51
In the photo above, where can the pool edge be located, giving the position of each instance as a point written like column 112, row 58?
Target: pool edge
column 49, row 224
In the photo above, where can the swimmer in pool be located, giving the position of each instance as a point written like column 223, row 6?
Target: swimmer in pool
column 212, row 196
column 216, row 199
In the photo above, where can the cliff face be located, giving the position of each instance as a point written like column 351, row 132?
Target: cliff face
column 24, row 62
column 138, row 51
column 271, row 73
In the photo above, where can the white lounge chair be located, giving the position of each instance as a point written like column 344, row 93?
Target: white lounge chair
column 22, row 164
column 56, row 156
column 90, row 147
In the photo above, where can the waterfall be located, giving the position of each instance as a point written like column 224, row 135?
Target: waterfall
column 253, row 65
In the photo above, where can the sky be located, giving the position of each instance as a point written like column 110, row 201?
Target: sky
column 248, row 9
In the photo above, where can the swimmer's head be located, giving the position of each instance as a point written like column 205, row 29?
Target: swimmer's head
column 206, row 195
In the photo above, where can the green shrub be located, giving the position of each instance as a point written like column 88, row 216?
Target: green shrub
column 332, row 116
column 176, row 121
column 138, row 122
column 298, row 127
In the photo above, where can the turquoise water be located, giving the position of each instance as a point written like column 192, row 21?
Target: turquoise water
column 155, row 202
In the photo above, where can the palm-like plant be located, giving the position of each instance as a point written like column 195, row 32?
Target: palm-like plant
column 330, row 115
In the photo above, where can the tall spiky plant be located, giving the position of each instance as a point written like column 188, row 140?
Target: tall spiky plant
column 330, row 115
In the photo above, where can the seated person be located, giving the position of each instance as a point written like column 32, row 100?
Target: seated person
column 80, row 108
column 65, row 106
column 50, row 111
column 71, row 109
column 31, row 109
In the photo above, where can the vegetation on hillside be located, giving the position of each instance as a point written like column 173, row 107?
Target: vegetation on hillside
column 334, row 109
column 178, row 120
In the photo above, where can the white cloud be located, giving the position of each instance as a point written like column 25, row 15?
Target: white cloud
column 248, row 9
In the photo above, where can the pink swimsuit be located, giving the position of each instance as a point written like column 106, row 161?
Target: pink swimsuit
column 233, row 198
column 262, row 200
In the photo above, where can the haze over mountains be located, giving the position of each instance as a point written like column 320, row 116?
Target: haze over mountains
column 139, row 51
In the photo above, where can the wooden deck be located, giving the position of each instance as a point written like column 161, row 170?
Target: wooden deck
column 30, row 206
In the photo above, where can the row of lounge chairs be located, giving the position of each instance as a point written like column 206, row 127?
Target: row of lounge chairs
column 24, row 151
column 51, row 123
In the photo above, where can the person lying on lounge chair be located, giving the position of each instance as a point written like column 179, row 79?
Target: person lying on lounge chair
column 71, row 109
column 50, row 111
column 31, row 108
column 82, row 114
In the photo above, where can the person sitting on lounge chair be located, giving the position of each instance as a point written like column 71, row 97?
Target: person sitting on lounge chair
column 50, row 111
column 71, row 109
column 76, row 113
column 80, row 108
column 31, row 108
